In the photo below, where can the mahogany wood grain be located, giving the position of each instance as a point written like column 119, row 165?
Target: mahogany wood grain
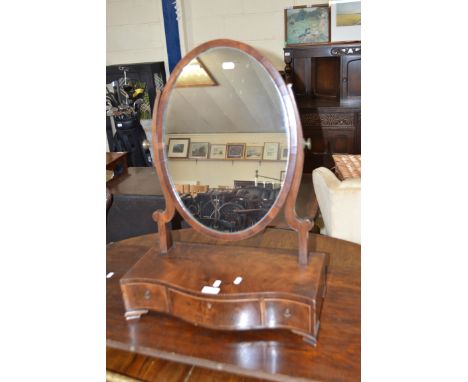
column 145, row 368
column 162, row 217
column 270, row 354
column 150, row 369
column 301, row 225
column 204, row 375
column 172, row 283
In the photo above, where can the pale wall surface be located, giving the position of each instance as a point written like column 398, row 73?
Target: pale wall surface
column 135, row 28
column 259, row 23
column 135, row 32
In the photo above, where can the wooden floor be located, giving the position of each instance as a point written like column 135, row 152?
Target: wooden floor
column 150, row 369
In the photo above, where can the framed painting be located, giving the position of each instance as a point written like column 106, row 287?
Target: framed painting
column 307, row 25
column 217, row 151
column 284, row 153
column 345, row 21
column 178, row 147
column 199, row 150
column 235, row 150
column 271, row 151
column 253, row 152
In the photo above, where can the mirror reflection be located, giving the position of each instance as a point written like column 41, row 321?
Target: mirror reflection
column 226, row 139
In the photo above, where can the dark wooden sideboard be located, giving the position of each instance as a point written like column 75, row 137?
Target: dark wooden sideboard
column 326, row 82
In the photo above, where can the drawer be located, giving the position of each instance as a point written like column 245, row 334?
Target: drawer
column 215, row 313
column 144, row 296
column 284, row 313
column 311, row 119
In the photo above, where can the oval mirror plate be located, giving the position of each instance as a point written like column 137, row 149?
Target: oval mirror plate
column 225, row 142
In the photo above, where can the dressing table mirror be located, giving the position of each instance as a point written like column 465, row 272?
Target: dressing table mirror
column 229, row 154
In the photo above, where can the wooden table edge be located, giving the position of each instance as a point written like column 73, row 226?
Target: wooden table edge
column 200, row 361
column 205, row 363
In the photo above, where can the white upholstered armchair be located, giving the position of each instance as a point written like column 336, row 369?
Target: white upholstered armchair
column 339, row 203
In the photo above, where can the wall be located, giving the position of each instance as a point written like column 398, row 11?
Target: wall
column 259, row 23
column 135, row 29
column 135, row 32
column 223, row 172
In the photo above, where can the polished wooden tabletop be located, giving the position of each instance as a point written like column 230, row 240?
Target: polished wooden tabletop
column 138, row 181
column 267, row 354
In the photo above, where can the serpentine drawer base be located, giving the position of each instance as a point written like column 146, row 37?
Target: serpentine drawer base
column 275, row 291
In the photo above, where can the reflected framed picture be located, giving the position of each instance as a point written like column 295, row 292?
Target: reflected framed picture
column 284, row 153
column 199, row 150
column 235, row 150
column 345, row 20
column 217, row 151
column 253, row 152
column 307, row 24
column 271, row 151
column 178, row 147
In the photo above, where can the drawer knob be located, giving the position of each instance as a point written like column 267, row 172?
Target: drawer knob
column 308, row 144
column 208, row 305
column 287, row 313
column 147, row 295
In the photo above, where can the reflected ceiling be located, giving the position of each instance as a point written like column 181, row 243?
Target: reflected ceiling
column 245, row 100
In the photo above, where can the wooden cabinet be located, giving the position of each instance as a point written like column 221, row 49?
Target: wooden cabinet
column 332, row 130
column 326, row 82
column 285, row 301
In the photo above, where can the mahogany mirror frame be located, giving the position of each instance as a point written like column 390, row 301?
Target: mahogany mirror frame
column 288, row 193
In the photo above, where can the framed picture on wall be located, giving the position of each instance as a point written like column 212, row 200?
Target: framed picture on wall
column 178, row 147
column 345, row 20
column 307, row 24
column 284, row 152
column 271, row 151
column 253, row 152
column 199, row 150
column 235, row 150
column 217, row 151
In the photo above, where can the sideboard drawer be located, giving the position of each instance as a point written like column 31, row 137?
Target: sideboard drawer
column 144, row 296
column 281, row 313
column 314, row 119
column 238, row 314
